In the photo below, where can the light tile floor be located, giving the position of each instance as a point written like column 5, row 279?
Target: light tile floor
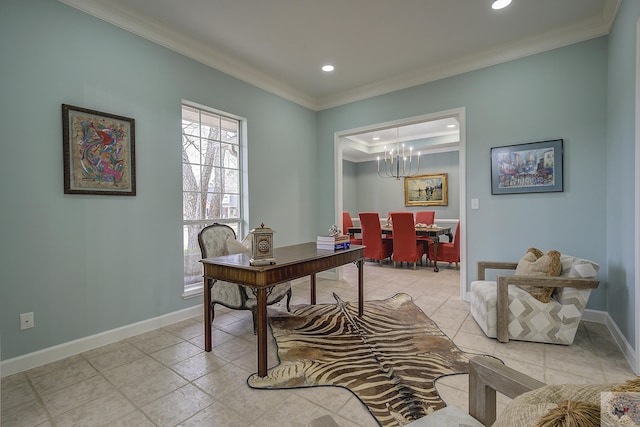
column 164, row 378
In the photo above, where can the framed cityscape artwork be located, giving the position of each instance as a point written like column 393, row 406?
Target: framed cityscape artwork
column 535, row 167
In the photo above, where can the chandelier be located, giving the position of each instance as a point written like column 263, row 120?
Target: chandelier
column 396, row 164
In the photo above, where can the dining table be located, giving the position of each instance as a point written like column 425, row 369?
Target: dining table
column 432, row 231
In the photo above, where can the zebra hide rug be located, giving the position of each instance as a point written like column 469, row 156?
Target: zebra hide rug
column 389, row 358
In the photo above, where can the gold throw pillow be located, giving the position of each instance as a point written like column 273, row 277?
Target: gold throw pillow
column 571, row 414
column 535, row 263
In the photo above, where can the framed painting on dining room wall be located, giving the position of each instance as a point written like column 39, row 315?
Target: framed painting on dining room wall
column 426, row 190
column 99, row 152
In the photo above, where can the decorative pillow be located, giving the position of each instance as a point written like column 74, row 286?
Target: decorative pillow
column 232, row 246
column 535, row 263
column 528, row 408
column 632, row 385
column 571, row 414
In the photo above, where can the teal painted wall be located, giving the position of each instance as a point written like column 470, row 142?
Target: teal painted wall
column 350, row 187
column 555, row 94
column 621, row 151
column 87, row 264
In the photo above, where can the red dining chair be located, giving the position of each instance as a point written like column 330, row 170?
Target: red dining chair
column 346, row 223
column 448, row 251
column 376, row 247
column 427, row 218
column 406, row 248
column 389, row 222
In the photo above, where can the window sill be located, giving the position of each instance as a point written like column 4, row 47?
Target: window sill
column 193, row 291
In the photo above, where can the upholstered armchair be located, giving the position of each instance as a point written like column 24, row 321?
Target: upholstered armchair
column 507, row 309
column 218, row 240
column 536, row 403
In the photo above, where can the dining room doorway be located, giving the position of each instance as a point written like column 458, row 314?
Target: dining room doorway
column 359, row 143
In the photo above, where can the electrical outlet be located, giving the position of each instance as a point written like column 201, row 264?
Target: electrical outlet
column 26, row 321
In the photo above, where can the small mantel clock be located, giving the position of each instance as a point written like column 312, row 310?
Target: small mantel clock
column 262, row 246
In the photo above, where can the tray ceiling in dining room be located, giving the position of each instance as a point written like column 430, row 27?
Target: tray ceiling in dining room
column 376, row 46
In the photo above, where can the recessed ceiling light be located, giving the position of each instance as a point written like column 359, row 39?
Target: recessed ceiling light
column 327, row 68
column 376, row 138
column 500, row 4
column 451, row 126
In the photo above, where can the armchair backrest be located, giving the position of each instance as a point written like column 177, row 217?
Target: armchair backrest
column 579, row 268
column 425, row 217
column 212, row 240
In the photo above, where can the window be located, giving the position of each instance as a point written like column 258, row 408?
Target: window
column 211, row 187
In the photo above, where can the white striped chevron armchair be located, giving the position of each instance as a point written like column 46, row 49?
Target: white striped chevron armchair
column 509, row 312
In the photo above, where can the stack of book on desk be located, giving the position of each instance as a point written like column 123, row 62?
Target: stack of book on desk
column 333, row 243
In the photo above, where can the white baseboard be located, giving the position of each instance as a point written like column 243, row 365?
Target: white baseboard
column 603, row 317
column 51, row 354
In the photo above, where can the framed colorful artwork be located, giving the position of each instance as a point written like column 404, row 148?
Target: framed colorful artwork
column 426, row 190
column 99, row 152
column 535, row 167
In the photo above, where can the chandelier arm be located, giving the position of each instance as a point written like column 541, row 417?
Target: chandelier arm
column 391, row 168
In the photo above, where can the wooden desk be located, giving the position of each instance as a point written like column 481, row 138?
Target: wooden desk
column 434, row 233
column 292, row 262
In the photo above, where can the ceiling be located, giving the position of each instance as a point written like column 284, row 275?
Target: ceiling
column 422, row 136
column 376, row 46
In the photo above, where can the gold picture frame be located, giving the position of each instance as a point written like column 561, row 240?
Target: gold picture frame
column 426, row 190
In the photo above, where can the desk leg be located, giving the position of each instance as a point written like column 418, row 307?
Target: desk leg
column 360, row 264
column 261, row 318
column 208, row 284
column 436, row 241
column 312, row 286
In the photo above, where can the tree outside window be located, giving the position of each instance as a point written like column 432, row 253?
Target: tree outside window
column 210, row 180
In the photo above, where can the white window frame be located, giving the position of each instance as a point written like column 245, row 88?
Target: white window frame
column 196, row 288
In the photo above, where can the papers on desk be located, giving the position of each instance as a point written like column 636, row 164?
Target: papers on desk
column 333, row 243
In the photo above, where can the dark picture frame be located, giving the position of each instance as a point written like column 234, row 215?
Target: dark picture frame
column 535, row 167
column 99, row 152
column 426, row 190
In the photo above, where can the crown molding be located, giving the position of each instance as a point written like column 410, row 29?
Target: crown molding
column 189, row 47
column 198, row 51
column 583, row 31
